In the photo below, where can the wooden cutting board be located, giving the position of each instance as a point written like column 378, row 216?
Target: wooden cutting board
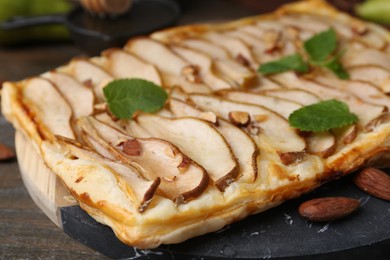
column 276, row 233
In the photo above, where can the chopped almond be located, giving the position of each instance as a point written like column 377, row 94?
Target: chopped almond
column 239, row 118
column 209, row 116
column 191, row 73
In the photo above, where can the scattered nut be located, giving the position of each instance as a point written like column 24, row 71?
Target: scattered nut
column 328, row 209
column 132, row 147
column 209, row 116
column 100, row 108
column 253, row 129
column 272, row 40
column 242, row 60
column 191, row 73
column 374, row 182
column 6, row 153
column 359, row 28
column 88, row 83
column 239, row 118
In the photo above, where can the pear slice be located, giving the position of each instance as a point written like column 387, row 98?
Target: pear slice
column 223, row 62
column 373, row 74
column 172, row 72
column 140, row 189
column 241, row 75
column 181, row 178
column 125, row 65
column 266, row 126
column 281, row 106
column 206, row 67
column 80, row 97
column 172, row 81
column 200, row 141
column 365, row 111
column 322, row 143
column 157, row 54
column 363, row 90
column 237, row 48
column 365, row 56
column 295, row 95
column 90, row 74
column 241, row 144
column 204, row 46
column 304, row 23
column 260, row 49
column 48, row 108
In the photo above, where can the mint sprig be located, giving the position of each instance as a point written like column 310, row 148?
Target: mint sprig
column 321, row 46
column 320, row 50
column 126, row 96
column 322, row 116
column 291, row 62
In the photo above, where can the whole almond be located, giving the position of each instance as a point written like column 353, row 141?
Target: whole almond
column 6, row 153
column 328, row 208
column 374, row 182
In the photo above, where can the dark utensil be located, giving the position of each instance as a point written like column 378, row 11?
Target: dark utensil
column 93, row 34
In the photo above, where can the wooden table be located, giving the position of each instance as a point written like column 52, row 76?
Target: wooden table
column 25, row 231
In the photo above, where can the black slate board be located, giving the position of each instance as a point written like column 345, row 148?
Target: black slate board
column 279, row 233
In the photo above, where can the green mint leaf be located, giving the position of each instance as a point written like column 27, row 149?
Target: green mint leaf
column 336, row 67
column 322, row 116
column 320, row 46
column 291, row 62
column 126, row 96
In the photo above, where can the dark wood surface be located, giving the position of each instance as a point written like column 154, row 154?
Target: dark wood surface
column 25, row 232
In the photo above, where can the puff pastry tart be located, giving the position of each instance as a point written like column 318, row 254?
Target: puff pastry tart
column 222, row 148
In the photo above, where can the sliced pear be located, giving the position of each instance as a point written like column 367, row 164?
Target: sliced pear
column 267, row 126
column 172, row 81
column 363, row 90
column 271, row 38
column 200, row 141
column 206, row 47
column 295, row 95
column 281, row 106
column 242, row 145
column 223, row 62
column 234, row 46
column 365, row 111
column 206, row 66
column 125, row 65
column 373, row 74
column 91, row 74
column 157, row 54
column 365, row 56
column 141, row 190
column 260, row 49
column 80, row 97
column 265, row 84
column 48, row 108
column 240, row 74
column 322, row 143
column 304, row 23
column 171, row 72
column 181, row 178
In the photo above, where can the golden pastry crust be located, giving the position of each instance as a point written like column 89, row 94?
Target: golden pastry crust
column 90, row 169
